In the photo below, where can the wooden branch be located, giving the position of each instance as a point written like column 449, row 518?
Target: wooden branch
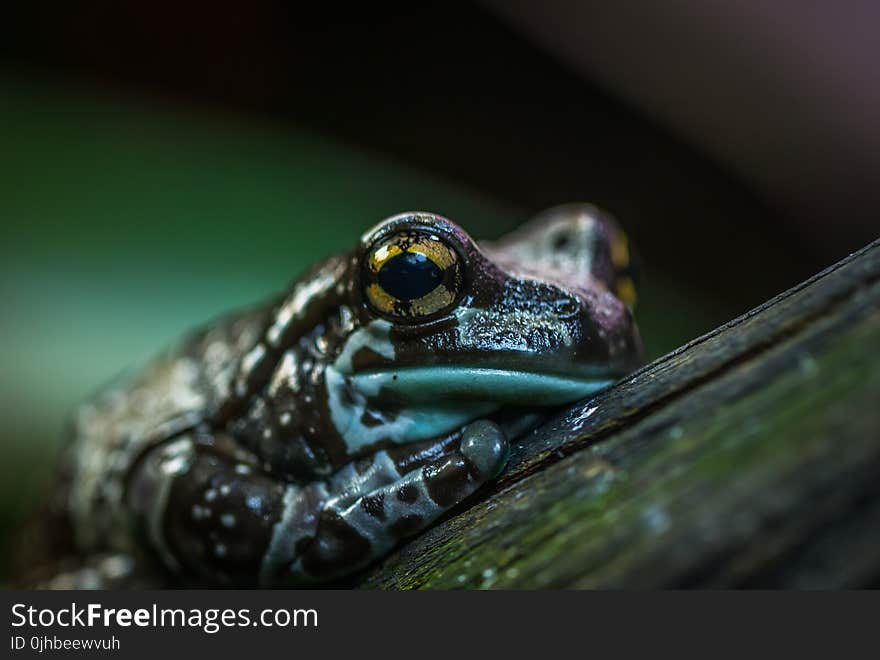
column 748, row 457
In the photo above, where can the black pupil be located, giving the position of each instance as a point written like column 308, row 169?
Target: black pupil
column 409, row 275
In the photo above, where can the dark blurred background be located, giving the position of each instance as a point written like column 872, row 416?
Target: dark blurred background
column 162, row 162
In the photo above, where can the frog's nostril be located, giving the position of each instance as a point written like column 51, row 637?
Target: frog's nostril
column 565, row 307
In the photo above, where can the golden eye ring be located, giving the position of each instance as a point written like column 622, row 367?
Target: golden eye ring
column 412, row 276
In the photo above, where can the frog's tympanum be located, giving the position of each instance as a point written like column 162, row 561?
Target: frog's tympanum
column 294, row 443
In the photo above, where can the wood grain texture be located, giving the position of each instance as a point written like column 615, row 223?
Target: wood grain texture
column 748, row 457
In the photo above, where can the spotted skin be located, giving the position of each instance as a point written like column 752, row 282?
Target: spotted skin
column 297, row 442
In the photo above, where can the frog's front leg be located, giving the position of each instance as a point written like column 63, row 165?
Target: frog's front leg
column 408, row 489
column 214, row 517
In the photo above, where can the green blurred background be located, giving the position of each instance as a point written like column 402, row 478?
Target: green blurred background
column 157, row 172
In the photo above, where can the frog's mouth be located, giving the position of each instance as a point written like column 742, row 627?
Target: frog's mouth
column 433, row 384
column 417, row 403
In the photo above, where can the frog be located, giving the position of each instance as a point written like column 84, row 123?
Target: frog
column 296, row 442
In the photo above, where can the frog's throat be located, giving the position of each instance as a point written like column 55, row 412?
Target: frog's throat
column 435, row 400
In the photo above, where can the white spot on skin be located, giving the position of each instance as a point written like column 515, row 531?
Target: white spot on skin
column 241, row 468
column 284, row 418
column 200, row 512
column 248, row 363
column 676, row 432
column 227, row 520
column 220, row 550
column 225, row 490
column 216, row 352
column 294, row 307
column 286, row 374
column 373, row 336
column 210, row 495
column 176, row 458
column 346, row 320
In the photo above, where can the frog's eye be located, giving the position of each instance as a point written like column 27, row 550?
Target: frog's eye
column 412, row 275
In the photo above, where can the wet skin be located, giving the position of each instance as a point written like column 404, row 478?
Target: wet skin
column 294, row 443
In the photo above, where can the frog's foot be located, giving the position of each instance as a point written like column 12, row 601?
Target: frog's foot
column 354, row 530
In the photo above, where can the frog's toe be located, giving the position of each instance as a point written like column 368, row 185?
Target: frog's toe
column 483, row 444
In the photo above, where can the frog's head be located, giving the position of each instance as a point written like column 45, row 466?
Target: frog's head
column 449, row 331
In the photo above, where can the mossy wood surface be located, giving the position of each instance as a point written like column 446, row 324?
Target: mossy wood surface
column 748, row 457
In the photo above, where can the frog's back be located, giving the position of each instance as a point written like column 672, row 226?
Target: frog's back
column 109, row 434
